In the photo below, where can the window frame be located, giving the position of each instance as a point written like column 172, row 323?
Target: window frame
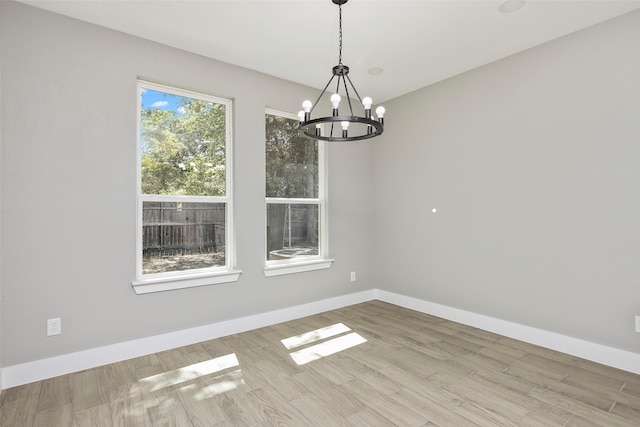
column 157, row 282
column 307, row 263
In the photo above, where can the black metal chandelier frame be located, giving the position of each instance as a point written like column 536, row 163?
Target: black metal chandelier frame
column 312, row 128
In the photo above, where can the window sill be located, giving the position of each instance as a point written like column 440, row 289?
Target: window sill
column 169, row 283
column 291, row 267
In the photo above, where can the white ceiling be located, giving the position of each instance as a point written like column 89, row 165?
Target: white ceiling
column 415, row 42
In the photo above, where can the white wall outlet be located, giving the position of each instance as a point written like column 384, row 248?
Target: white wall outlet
column 54, row 326
column 353, row 276
column 637, row 323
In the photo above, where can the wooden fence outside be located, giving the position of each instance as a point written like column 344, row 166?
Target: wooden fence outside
column 172, row 226
column 200, row 227
column 301, row 226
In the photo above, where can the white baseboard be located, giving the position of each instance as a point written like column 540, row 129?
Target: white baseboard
column 37, row 370
column 599, row 353
column 73, row 362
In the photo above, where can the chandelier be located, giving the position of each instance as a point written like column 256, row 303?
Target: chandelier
column 341, row 128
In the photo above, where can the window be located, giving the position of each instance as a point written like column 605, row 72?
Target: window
column 295, row 204
column 184, row 201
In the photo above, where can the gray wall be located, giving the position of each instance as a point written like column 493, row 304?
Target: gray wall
column 532, row 163
column 1, row 364
column 68, row 159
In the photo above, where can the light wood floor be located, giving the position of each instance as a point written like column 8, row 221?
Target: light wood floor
column 390, row 366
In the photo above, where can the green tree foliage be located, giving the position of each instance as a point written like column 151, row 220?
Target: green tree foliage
column 183, row 152
column 291, row 160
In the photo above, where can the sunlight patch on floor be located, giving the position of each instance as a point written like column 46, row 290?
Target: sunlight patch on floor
column 313, row 336
column 191, row 372
column 327, row 348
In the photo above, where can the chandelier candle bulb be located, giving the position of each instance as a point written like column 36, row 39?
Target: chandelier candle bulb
column 366, row 102
column 301, row 116
column 345, row 128
column 306, row 106
column 380, row 113
column 335, row 102
column 318, row 130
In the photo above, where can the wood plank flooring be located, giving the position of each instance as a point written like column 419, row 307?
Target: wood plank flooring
column 371, row 364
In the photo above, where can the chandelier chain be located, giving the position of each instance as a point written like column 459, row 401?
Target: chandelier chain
column 340, row 37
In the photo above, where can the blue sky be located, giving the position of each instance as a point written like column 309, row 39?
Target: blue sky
column 164, row 101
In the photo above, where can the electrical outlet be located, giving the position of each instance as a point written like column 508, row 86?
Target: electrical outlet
column 353, row 276
column 638, row 323
column 54, row 326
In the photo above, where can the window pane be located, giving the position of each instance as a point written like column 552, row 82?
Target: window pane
column 291, row 160
column 292, row 230
column 179, row 236
column 182, row 145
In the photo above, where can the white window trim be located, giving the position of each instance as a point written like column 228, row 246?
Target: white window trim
column 196, row 278
column 322, row 261
column 291, row 267
column 159, row 282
